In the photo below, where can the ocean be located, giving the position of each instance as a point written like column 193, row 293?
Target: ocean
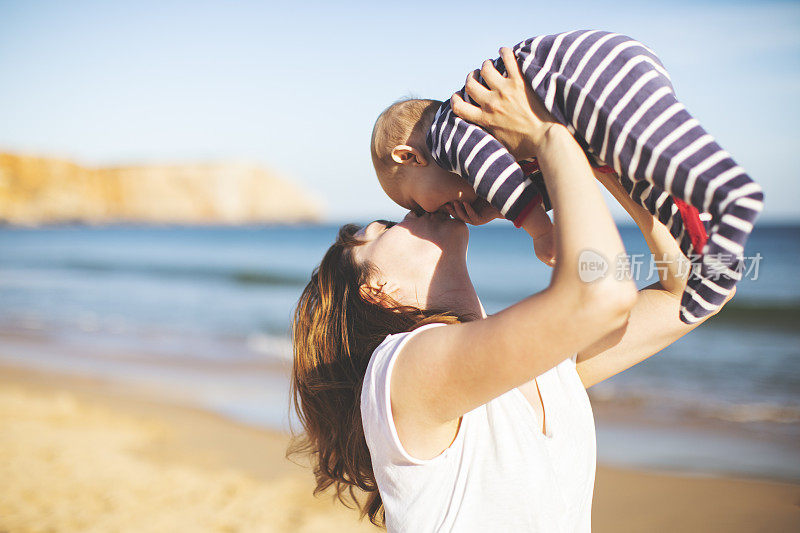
column 202, row 314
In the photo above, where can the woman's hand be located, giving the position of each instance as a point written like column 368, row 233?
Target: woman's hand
column 509, row 109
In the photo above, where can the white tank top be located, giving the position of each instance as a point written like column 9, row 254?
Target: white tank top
column 500, row 473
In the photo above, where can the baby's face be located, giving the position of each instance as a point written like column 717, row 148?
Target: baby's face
column 430, row 188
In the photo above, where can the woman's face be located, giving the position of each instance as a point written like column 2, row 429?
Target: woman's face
column 415, row 255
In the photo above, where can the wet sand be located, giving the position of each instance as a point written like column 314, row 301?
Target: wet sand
column 83, row 454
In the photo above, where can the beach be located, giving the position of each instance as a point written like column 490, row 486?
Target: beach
column 88, row 454
column 82, row 454
column 144, row 386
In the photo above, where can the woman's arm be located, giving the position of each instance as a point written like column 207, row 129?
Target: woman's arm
column 673, row 266
column 654, row 322
column 445, row 372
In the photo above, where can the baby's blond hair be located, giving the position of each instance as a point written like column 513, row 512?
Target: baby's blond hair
column 404, row 122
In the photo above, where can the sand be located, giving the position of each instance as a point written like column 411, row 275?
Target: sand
column 79, row 454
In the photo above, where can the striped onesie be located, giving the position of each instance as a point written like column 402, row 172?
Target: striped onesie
column 615, row 97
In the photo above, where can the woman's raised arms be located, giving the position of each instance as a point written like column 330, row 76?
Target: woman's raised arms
column 445, row 372
column 653, row 324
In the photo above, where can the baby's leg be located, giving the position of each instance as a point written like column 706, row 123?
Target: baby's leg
column 616, row 97
column 662, row 153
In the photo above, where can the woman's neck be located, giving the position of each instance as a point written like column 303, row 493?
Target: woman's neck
column 453, row 291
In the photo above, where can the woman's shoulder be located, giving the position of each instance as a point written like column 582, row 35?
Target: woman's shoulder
column 417, row 329
column 376, row 411
column 394, row 341
column 384, row 355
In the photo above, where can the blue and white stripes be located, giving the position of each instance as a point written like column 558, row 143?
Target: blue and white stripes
column 615, row 96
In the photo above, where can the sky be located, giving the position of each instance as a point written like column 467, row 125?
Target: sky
column 296, row 87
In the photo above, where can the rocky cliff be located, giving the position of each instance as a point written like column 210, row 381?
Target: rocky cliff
column 37, row 190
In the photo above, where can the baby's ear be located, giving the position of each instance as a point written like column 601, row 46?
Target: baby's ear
column 403, row 154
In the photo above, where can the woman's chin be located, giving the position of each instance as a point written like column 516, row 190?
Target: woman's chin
column 446, row 232
column 444, row 218
column 431, row 222
column 449, row 225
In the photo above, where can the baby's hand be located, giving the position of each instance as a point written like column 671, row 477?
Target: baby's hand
column 479, row 213
column 539, row 226
column 545, row 248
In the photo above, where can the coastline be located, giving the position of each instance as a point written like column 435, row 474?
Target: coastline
column 83, row 453
column 640, row 432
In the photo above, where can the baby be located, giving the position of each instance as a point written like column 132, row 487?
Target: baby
column 411, row 178
column 616, row 98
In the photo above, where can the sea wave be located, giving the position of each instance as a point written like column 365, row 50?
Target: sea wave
column 697, row 407
column 277, row 346
column 765, row 314
column 740, row 312
column 239, row 276
column 755, row 412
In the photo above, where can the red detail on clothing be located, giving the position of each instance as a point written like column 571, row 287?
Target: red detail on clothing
column 605, row 169
column 693, row 224
column 529, row 166
column 536, row 200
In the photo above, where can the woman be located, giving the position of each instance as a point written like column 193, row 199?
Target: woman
column 451, row 420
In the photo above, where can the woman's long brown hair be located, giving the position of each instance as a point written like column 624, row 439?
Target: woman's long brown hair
column 334, row 332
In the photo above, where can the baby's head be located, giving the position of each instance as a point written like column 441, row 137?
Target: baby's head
column 403, row 163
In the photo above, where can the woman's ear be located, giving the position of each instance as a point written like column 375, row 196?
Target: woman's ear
column 403, row 154
column 371, row 293
column 377, row 293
